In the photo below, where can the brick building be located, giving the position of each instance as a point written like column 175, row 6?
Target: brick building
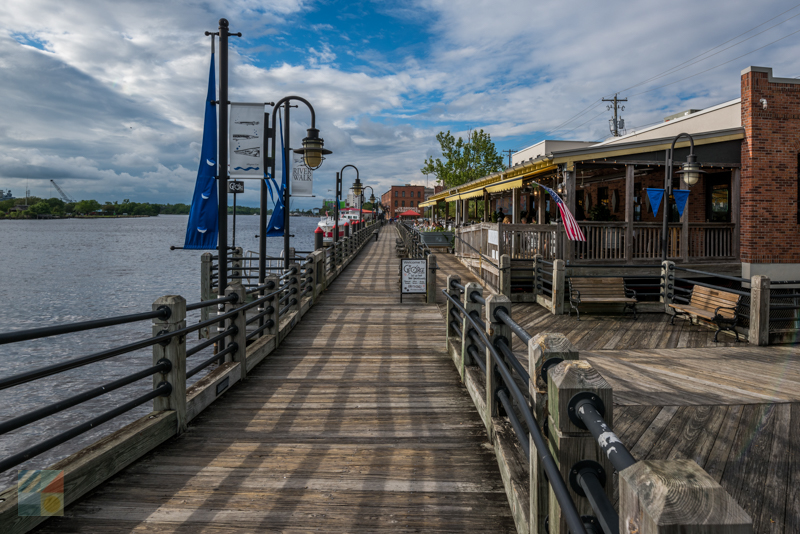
column 742, row 214
column 402, row 198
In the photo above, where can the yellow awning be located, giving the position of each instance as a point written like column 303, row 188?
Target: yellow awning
column 505, row 185
column 427, row 203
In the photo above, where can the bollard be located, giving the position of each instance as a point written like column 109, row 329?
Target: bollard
column 174, row 351
column 240, row 321
column 206, row 292
column 666, row 496
column 431, row 279
column 550, row 349
column 569, row 442
column 558, row 287
column 759, row 310
column 494, row 330
column 668, row 285
column 318, row 237
column 471, row 287
column 505, row 275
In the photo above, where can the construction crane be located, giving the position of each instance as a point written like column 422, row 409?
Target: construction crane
column 61, row 192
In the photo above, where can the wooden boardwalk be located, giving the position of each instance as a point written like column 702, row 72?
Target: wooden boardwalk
column 731, row 407
column 357, row 423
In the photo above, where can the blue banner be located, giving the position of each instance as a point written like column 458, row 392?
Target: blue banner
column 655, row 196
column 681, row 196
column 275, row 224
column 203, row 226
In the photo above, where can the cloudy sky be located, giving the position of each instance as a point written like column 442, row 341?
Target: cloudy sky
column 106, row 97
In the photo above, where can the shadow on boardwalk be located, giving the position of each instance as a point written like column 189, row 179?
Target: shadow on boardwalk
column 357, row 423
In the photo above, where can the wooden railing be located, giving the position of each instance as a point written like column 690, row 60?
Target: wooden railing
column 711, row 240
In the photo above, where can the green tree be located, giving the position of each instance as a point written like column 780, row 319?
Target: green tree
column 464, row 161
column 87, row 206
column 40, row 208
column 56, row 204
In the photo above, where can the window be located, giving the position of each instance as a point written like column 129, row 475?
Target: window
column 412, row 203
column 396, row 194
column 395, row 203
column 718, row 197
column 419, row 194
column 404, row 194
column 403, row 203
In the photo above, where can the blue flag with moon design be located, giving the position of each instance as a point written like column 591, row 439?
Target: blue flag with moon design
column 203, row 226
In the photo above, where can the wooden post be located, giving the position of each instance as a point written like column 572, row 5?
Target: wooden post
column 318, row 264
column 515, row 218
column 505, row 275
column 571, row 444
column 668, row 291
column 466, row 325
column 759, row 310
column 240, row 321
column 537, row 263
column 295, row 286
column 456, row 295
column 486, row 217
column 540, row 349
column 175, row 352
column 431, row 281
column 205, row 292
column 236, row 263
column 736, row 181
column 559, row 281
column 494, row 329
column 276, row 308
column 629, row 213
column 666, row 496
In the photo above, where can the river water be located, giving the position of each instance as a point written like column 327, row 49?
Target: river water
column 62, row 271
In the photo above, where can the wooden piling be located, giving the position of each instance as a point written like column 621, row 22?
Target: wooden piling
column 175, row 352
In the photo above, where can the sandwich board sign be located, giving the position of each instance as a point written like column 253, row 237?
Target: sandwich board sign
column 414, row 277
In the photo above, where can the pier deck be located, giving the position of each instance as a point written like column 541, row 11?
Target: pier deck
column 356, row 423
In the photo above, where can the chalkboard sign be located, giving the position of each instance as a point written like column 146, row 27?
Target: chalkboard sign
column 414, row 279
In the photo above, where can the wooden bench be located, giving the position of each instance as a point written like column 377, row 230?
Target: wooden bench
column 716, row 305
column 600, row 291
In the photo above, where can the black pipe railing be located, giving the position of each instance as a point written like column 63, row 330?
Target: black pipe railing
column 218, row 357
column 163, row 389
column 571, row 515
column 163, row 312
column 207, row 343
column 209, row 303
column 714, row 275
column 268, row 324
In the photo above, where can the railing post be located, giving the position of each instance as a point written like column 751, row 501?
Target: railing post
column 668, row 281
column 294, row 286
column 541, row 348
column 666, row 496
column 318, row 264
column 570, row 443
column 205, row 291
column 471, row 287
column 236, row 264
column 431, row 282
column 505, row 275
column 537, row 263
column 175, row 352
column 559, row 282
column 240, row 322
column 276, row 308
column 456, row 295
column 494, row 329
column 759, row 310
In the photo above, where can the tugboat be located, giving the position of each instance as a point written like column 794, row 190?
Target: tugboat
column 328, row 224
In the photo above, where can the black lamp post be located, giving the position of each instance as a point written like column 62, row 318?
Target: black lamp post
column 691, row 175
column 371, row 200
column 312, row 152
column 341, row 174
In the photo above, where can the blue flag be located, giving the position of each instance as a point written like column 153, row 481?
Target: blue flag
column 681, row 196
column 275, row 224
column 655, row 196
column 203, row 227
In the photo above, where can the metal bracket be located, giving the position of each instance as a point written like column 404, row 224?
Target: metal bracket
column 165, row 361
column 548, row 363
column 164, row 342
column 579, row 398
column 167, row 309
column 585, row 465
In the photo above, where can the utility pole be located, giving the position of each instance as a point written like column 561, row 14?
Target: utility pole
column 616, row 124
column 509, row 152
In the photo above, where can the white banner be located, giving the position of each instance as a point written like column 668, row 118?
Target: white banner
column 302, row 181
column 247, row 140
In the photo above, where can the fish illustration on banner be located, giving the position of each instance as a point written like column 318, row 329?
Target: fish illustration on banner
column 247, row 140
column 203, row 226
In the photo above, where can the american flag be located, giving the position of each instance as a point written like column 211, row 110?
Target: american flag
column 574, row 232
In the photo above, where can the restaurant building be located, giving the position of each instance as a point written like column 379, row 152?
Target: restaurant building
column 402, row 198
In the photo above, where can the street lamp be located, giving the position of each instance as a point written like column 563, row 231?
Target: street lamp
column 312, row 153
column 371, row 201
column 357, row 182
column 690, row 171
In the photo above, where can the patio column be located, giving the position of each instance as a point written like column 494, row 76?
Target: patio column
column 540, row 206
column 486, row 204
column 685, row 226
column 629, row 213
column 569, row 190
column 515, row 205
column 736, row 180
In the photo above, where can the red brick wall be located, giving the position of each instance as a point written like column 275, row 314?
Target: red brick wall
column 403, row 194
column 769, row 230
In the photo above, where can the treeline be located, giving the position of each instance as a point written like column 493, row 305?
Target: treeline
column 14, row 209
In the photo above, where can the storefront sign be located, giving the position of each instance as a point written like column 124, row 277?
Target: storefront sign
column 414, row 279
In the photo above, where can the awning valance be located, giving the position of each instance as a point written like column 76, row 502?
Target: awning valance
column 505, row 185
column 427, row 203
